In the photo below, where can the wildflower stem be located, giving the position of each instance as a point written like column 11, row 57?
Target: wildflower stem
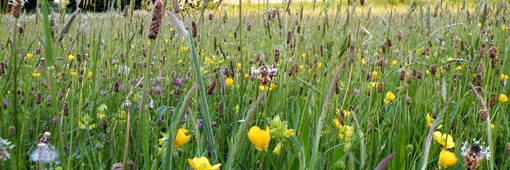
column 126, row 146
column 325, row 107
column 487, row 122
column 204, row 107
column 271, row 160
column 174, row 126
column 240, row 134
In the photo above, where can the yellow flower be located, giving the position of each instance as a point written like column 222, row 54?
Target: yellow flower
column 430, row 120
column 375, row 74
column 319, row 65
column 202, row 163
column 85, row 123
column 181, row 138
column 272, row 86
column 504, row 27
column 229, row 82
column 277, row 148
column 338, row 125
column 503, row 98
column 89, row 74
column 447, row 158
column 493, row 126
column 30, row 56
column 71, row 57
column 479, row 25
column 238, row 65
column 184, row 48
column 259, row 138
column 246, row 76
column 394, row 62
column 207, row 60
column 504, row 77
column 73, row 73
column 346, row 113
column 459, row 68
column 36, row 74
column 444, row 139
column 303, row 55
column 374, row 84
column 389, row 97
column 289, row 133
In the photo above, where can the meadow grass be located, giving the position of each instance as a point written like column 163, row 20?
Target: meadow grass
column 108, row 94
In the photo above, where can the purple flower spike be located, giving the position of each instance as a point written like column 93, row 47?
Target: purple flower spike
column 158, row 90
column 356, row 91
column 54, row 120
column 178, row 81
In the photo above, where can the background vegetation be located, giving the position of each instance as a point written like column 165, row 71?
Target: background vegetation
column 94, row 80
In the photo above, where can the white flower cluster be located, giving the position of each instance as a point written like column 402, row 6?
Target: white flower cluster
column 4, row 146
column 476, row 151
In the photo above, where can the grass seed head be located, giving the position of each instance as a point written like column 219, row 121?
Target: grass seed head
column 157, row 17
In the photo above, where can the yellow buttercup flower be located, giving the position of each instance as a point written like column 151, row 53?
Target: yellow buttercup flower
column 444, row 139
column 493, row 126
column 246, row 76
column 375, row 74
column 30, row 56
column 504, row 27
column 319, row 65
column 184, row 48
column 394, row 62
column 272, row 86
column 430, row 120
column 447, row 158
column 89, row 74
column 504, row 77
column 73, row 73
column 389, row 97
column 202, row 163
column 181, row 138
column 229, row 82
column 71, row 57
column 36, row 74
column 239, row 65
column 259, row 138
column 459, row 68
column 503, row 98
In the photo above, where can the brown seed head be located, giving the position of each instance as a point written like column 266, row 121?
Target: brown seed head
column 398, row 34
column 157, row 16
column 494, row 100
column 484, row 114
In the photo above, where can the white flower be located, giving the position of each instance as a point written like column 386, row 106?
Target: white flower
column 44, row 153
column 4, row 146
column 476, row 150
